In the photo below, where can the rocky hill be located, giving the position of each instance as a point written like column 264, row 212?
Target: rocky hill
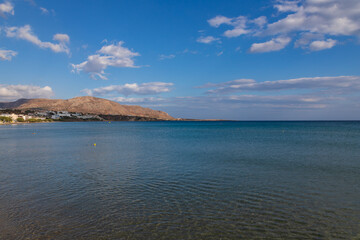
column 86, row 105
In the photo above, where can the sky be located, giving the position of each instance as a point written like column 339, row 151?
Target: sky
column 238, row 60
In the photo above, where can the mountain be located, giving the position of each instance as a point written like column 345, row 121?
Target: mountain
column 11, row 105
column 90, row 105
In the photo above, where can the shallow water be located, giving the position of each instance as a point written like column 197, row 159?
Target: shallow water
column 180, row 180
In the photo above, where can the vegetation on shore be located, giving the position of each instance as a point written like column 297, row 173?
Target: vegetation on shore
column 5, row 119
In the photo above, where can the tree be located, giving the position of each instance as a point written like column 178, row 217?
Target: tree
column 20, row 119
column 5, row 119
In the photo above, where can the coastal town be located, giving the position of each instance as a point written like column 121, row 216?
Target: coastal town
column 16, row 116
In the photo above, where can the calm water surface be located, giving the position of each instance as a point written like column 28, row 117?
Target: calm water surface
column 181, row 180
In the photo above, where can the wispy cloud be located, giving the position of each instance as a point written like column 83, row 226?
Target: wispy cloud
column 207, row 39
column 246, row 101
column 150, row 88
column 25, row 33
column 114, row 55
column 44, row 10
column 163, row 56
column 7, row 54
column 14, row 92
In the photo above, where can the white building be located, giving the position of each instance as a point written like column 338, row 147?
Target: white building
column 55, row 117
column 64, row 114
column 11, row 115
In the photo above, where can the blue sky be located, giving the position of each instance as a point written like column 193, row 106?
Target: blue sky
column 245, row 60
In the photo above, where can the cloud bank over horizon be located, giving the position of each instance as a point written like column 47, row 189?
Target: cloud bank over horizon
column 127, row 89
column 15, row 92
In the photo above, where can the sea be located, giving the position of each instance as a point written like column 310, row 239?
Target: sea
column 180, row 180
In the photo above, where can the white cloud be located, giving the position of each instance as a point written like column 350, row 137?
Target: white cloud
column 163, row 56
column 306, row 38
column 218, row 20
column 14, row 92
column 260, row 21
column 44, row 10
column 323, row 18
column 238, row 23
column 207, row 39
column 287, row 6
column 138, row 100
column 235, row 32
column 131, row 89
column 219, row 103
column 234, row 101
column 274, row 44
column 337, row 84
column 7, row 54
column 6, row 8
column 280, row 101
column 336, row 17
column 321, row 45
column 62, row 37
column 114, row 55
column 26, row 33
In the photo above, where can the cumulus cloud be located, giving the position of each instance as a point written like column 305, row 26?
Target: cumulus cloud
column 14, row 92
column 114, row 55
column 150, row 88
column 7, row 54
column 218, row 20
column 321, row 45
column 26, row 33
column 238, row 23
column 306, row 38
column 327, row 19
column 207, row 39
column 334, row 84
column 274, row 44
column 6, row 8
column 335, row 17
column 64, row 38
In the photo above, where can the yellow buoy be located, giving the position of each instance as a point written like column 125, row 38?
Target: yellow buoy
column 94, row 144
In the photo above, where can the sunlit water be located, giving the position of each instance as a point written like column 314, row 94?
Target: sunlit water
column 180, row 180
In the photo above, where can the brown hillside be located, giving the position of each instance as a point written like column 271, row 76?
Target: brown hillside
column 92, row 105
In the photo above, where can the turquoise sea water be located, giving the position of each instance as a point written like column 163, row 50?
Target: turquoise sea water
column 180, row 180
